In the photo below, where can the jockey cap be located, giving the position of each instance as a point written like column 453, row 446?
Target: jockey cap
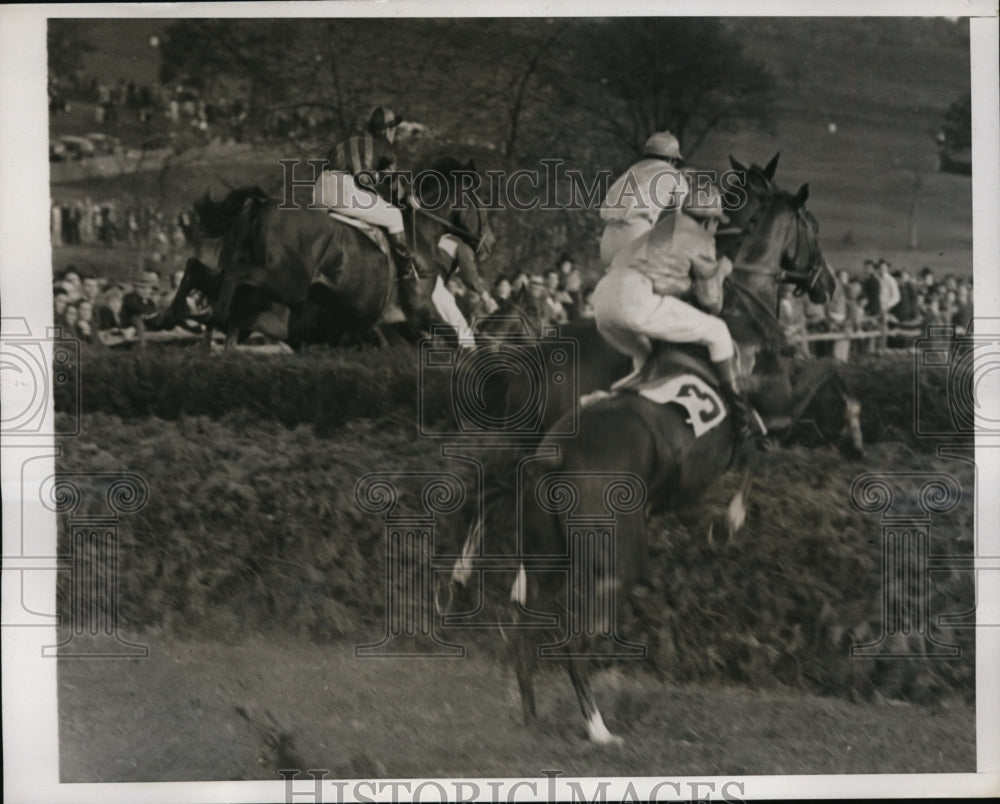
column 663, row 144
column 381, row 119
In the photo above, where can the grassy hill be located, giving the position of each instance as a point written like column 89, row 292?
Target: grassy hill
column 885, row 84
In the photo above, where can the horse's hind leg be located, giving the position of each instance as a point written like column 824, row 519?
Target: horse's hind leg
column 596, row 729
column 525, row 653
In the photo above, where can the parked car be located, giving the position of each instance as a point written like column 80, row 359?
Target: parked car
column 104, row 143
column 76, row 147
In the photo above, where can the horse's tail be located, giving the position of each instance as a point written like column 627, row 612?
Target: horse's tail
column 217, row 217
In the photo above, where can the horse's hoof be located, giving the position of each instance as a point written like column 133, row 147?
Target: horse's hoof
column 599, row 734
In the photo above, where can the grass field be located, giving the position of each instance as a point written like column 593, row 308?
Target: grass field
column 172, row 717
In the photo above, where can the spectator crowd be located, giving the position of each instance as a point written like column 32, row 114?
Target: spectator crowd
column 896, row 303
column 99, row 312
column 85, row 221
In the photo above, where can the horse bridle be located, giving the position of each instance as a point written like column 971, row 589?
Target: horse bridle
column 805, row 280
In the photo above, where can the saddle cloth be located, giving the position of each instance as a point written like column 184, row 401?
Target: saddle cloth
column 672, row 375
column 373, row 233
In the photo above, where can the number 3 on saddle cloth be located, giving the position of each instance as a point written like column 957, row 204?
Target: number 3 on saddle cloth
column 676, row 374
column 704, row 407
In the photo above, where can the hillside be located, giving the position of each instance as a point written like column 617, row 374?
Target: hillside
column 884, row 83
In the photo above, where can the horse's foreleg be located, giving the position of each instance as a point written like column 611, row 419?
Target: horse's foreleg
column 596, row 730
column 220, row 310
column 736, row 513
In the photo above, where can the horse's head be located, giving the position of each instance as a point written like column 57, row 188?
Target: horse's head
column 525, row 313
column 447, row 191
column 773, row 235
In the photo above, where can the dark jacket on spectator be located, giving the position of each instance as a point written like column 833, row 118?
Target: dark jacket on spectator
column 907, row 309
column 106, row 319
column 137, row 311
column 871, row 289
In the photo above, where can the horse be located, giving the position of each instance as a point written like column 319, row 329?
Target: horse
column 295, row 255
column 630, row 457
column 253, row 311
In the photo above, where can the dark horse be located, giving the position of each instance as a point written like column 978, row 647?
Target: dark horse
column 251, row 311
column 631, row 457
column 320, row 267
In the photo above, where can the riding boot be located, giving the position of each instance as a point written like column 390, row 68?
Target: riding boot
column 746, row 420
column 405, row 263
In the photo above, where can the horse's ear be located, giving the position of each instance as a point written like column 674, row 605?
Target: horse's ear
column 471, row 165
column 737, row 165
column 771, row 166
column 802, row 196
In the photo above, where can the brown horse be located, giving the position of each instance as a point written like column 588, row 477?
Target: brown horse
column 629, row 456
column 285, row 252
column 253, row 311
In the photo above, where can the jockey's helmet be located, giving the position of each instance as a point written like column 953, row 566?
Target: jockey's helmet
column 663, row 144
column 382, row 122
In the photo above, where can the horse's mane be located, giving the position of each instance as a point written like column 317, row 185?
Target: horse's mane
column 216, row 217
column 749, row 319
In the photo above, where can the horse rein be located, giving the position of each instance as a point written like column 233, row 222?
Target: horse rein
column 469, row 237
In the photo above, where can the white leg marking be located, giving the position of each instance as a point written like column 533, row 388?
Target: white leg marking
column 736, row 515
column 462, row 570
column 599, row 733
column 519, row 591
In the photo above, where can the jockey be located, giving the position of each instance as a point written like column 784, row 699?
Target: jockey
column 353, row 184
column 641, row 194
column 458, row 257
column 639, row 298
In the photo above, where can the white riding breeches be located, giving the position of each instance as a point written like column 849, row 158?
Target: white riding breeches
column 629, row 314
column 447, row 308
column 337, row 190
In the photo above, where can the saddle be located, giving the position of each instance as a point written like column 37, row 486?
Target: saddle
column 681, row 374
column 373, row 233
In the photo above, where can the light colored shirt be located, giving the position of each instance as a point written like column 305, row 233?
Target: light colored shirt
column 644, row 191
column 889, row 295
column 673, row 252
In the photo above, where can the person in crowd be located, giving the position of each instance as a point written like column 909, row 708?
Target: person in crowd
column 888, row 296
column 791, row 316
column 639, row 196
column 70, row 320
column 86, row 325
column 927, row 277
column 573, row 290
column 872, row 289
column 110, row 317
column 565, row 266
column 556, row 299
column 962, row 318
column 90, row 289
column 906, row 311
column 502, row 289
column 60, row 301
column 55, row 225
column 522, row 279
column 587, row 309
column 139, row 309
